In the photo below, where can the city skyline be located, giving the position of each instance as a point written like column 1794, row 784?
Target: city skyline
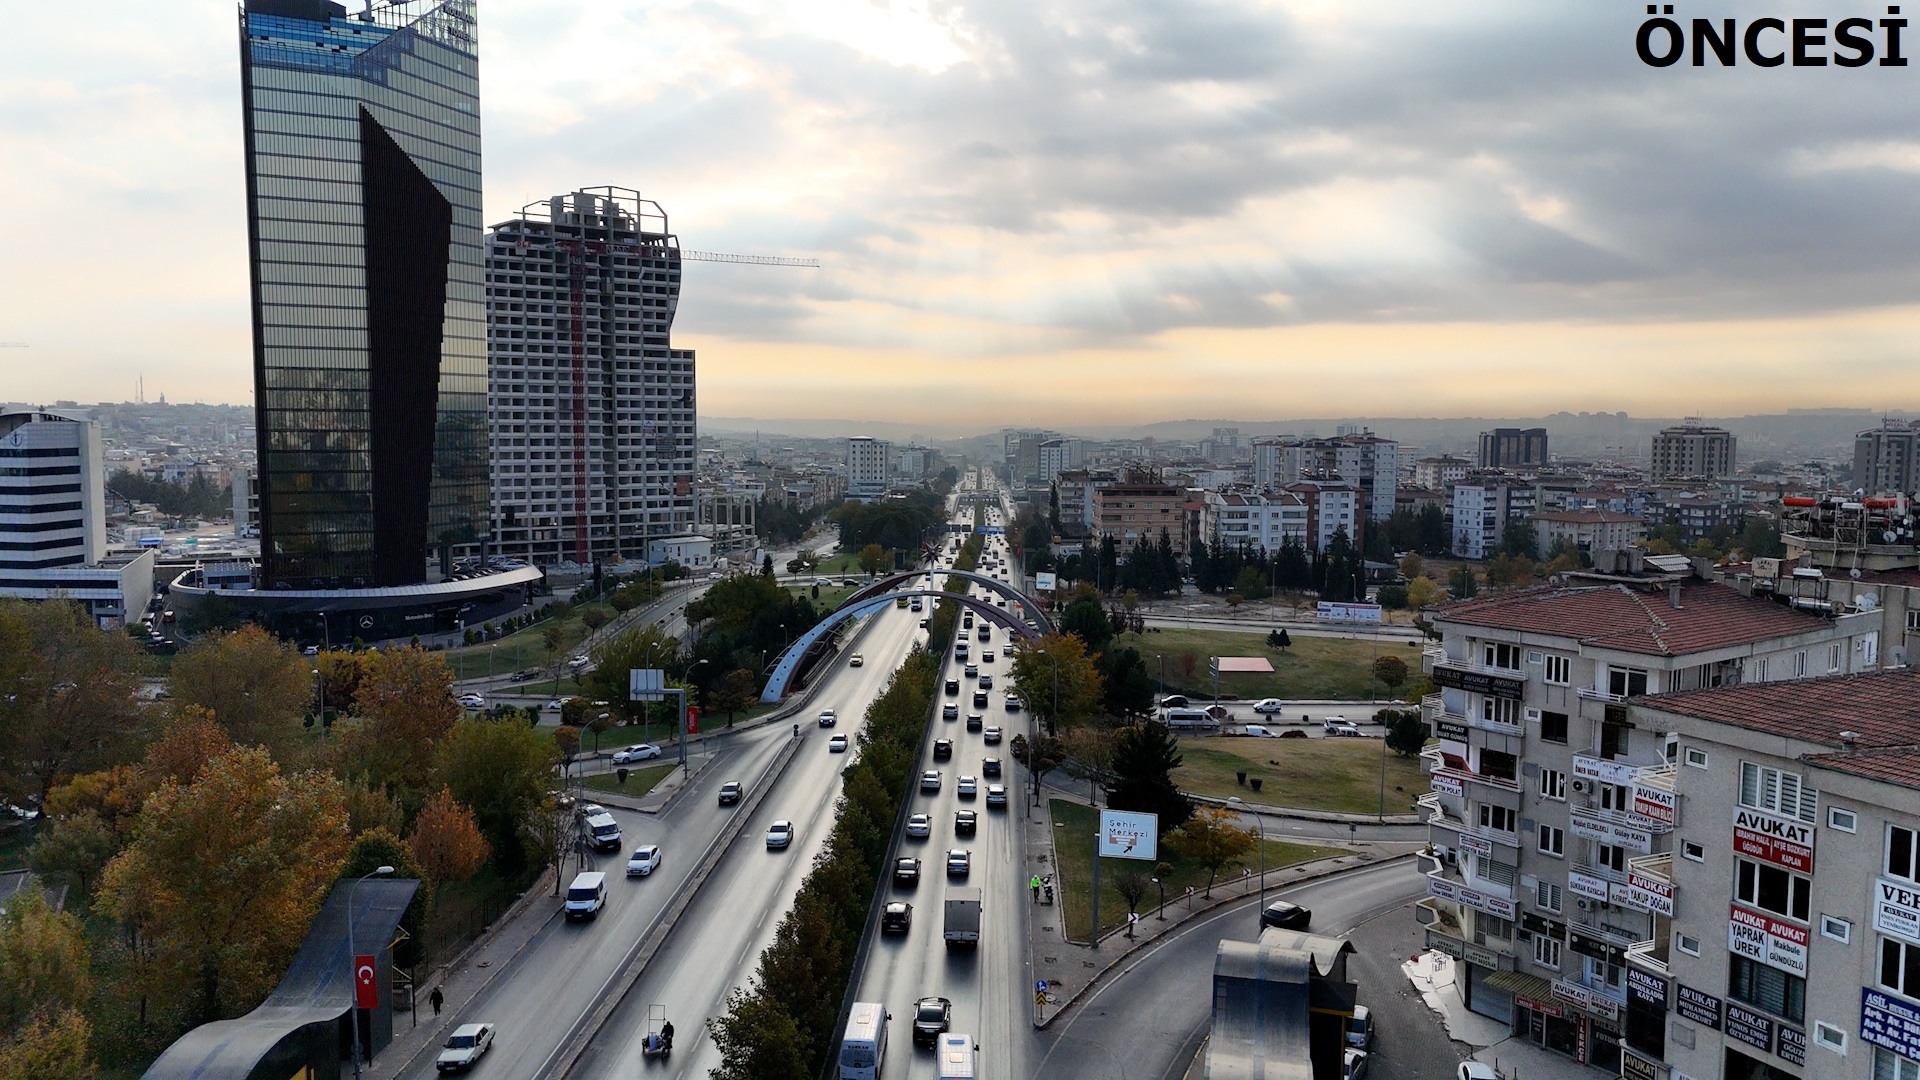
column 1123, row 215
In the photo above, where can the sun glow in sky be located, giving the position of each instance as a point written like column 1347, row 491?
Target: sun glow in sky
column 1037, row 211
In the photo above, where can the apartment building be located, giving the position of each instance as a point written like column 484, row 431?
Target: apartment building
column 1786, row 911
column 1482, row 506
column 1075, row 488
column 1513, row 448
column 1332, row 505
column 1133, row 513
column 1055, row 455
column 1371, row 464
column 1262, row 522
column 1886, row 459
column 1554, row 804
column 1586, row 530
column 1692, row 449
column 867, row 468
column 53, row 521
column 1440, row 473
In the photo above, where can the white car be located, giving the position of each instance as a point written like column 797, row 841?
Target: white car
column 580, row 661
column 828, row 718
column 1354, row 1065
column 1475, row 1070
column 837, row 744
column 556, row 705
column 471, row 701
column 780, row 834
column 996, row 795
column 930, row 780
column 645, row 860
column 919, row 826
column 1269, row 706
column 1338, row 726
column 967, row 787
column 468, row 1044
column 856, row 660
column 637, row 752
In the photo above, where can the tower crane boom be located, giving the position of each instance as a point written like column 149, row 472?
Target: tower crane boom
column 750, row 260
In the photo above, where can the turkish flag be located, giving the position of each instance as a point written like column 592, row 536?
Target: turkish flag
column 693, row 720
column 366, row 984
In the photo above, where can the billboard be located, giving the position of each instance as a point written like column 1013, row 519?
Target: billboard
column 1330, row 609
column 1045, row 581
column 1127, row 834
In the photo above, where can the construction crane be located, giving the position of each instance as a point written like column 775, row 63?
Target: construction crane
column 22, row 344
column 750, row 260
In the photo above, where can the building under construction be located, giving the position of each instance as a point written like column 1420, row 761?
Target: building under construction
column 592, row 409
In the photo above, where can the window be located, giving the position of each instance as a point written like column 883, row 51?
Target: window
column 1626, row 682
column 1843, row 820
column 1902, row 854
column 1500, row 711
column 1836, row 928
column 1615, row 797
column 1888, row 1065
column 1611, row 857
column 1496, row 655
column 1694, row 757
column 1559, row 670
column 1774, row 791
column 1549, row 897
column 1771, row 888
column 1760, row 670
column 1800, row 664
column 1546, row 951
column 1553, row 841
column 1497, row 818
column 1833, row 658
column 1767, row 988
column 1694, row 850
column 1687, row 944
column 1613, row 739
column 1553, row 727
column 1913, row 620
column 1499, row 763
column 1491, row 926
column 1830, row 1037
column 1900, row 966
column 1553, row 784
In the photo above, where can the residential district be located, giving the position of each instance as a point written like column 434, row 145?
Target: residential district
column 463, row 706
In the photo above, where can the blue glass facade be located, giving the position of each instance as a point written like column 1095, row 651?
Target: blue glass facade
column 363, row 184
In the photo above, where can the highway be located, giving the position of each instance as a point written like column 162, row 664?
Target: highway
column 717, row 943
column 990, row 986
column 1148, row 1021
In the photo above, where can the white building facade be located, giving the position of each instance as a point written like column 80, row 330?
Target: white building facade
column 868, row 461
column 1263, row 522
column 53, row 532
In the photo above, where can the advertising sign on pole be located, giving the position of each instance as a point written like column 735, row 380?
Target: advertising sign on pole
column 1329, row 609
column 1127, row 834
column 646, row 684
column 1045, row 581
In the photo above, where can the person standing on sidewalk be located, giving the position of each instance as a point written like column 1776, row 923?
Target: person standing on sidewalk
column 438, row 999
column 1034, row 881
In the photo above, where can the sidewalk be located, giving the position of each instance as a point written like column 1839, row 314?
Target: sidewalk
column 1071, row 969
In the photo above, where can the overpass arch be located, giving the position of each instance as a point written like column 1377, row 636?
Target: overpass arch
column 855, row 608
column 891, row 583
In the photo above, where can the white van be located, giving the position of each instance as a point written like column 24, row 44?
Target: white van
column 863, row 1050
column 956, row 1057
column 587, row 895
column 1188, row 720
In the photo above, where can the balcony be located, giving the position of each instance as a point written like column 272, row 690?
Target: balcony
column 1594, row 693
column 1462, row 776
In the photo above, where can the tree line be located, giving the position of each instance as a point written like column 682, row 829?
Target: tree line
column 197, row 497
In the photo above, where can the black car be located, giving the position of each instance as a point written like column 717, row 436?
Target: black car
column 931, row 1015
column 973, row 721
column 949, row 711
column 896, row 919
column 1286, row 916
column 906, row 871
column 730, row 792
column 964, row 822
column 990, row 766
column 942, row 749
column 953, row 687
column 979, row 699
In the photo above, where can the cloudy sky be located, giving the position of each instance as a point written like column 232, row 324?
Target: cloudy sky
column 1065, row 211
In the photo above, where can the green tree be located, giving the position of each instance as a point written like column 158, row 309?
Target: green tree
column 1211, row 839
column 1462, row 583
column 1144, row 757
column 255, row 684
column 1760, row 538
column 1391, row 597
column 642, row 647
column 1517, row 537
column 872, row 558
column 757, row 1040
column 1412, row 565
column 381, row 847
column 552, row 638
column 1058, row 668
column 1406, row 730
column 1391, row 671
column 1251, row 583
column 1128, row 686
column 1086, row 620
column 501, row 770
column 66, row 696
column 737, row 693
column 73, row 850
column 44, row 961
column 595, row 617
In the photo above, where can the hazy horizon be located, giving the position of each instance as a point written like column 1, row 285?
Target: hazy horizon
column 1087, row 213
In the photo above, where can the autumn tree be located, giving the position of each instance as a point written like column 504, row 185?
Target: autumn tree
column 66, row 696
column 1391, row 671
column 1058, row 664
column 192, row 738
column 1132, row 884
column 257, row 686
column 1089, row 751
column 381, row 847
column 567, row 738
column 1211, row 839
column 223, row 878
column 50, row 1047
column 341, row 673
column 594, row 618
column 73, row 850
column 736, row 693
column 45, row 984
column 406, row 707
column 446, row 840
column 502, row 771
column 872, row 558
column 1423, row 592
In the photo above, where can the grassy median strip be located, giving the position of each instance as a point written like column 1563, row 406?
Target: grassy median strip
column 1308, row 774
column 1313, row 668
column 782, row 1024
column 639, row 780
column 1075, row 825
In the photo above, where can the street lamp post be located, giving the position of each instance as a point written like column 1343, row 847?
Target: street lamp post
column 321, row 680
column 353, row 958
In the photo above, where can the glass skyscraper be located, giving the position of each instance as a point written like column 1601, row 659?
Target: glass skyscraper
column 370, row 364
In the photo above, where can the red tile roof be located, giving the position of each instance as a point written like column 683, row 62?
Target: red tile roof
column 1894, row 765
column 1881, row 709
column 1616, row 617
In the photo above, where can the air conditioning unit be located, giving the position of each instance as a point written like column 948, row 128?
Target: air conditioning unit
column 1532, row 715
column 1582, row 786
column 1585, row 904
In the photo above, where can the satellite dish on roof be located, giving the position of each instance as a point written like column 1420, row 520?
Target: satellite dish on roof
column 1854, row 573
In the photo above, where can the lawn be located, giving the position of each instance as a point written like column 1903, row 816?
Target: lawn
column 829, row 598
column 1073, row 847
column 839, row 566
column 522, row 649
column 639, row 781
column 1313, row 774
column 1312, row 668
